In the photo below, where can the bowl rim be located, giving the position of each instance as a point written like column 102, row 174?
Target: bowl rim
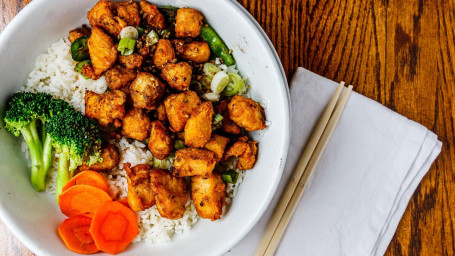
column 36, row 248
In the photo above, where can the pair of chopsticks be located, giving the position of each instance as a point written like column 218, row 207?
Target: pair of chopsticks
column 306, row 165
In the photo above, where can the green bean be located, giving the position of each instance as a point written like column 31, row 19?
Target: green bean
column 216, row 44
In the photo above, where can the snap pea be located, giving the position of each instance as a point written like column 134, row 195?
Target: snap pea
column 216, row 44
column 79, row 49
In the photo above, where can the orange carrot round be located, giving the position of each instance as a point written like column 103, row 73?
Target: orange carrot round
column 82, row 200
column 113, row 227
column 87, row 178
column 75, row 234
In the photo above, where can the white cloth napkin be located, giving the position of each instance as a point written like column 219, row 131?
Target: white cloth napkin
column 362, row 184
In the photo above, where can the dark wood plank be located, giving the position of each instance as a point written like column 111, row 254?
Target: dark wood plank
column 400, row 53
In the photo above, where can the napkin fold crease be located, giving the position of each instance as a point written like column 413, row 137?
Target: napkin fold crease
column 363, row 182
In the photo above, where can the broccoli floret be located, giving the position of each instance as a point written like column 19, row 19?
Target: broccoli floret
column 77, row 139
column 26, row 114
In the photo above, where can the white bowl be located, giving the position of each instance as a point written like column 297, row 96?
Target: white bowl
column 34, row 217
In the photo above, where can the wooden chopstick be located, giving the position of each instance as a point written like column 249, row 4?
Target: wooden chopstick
column 296, row 186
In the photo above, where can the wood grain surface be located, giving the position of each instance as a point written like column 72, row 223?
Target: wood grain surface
column 400, row 53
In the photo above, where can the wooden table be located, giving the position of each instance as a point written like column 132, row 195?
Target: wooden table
column 400, row 53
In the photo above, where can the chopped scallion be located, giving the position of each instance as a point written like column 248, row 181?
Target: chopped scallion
column 230, row 176
column 235, row 86
column 152, row 38
column 219, row 82
column 217, row 118
column 126, row 46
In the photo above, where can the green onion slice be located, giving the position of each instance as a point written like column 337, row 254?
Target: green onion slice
column 219, row 82
column 211, row 69
column 152, row 38
column 217, row 118
column 235, row 85
column 230, row 176
column 126, row 46
column 140, row 31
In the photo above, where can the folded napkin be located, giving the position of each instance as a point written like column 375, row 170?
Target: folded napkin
column 362, row 184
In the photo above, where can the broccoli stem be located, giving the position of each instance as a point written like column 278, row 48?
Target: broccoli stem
column 32, row 139
column 47, row 154
column 63, row 173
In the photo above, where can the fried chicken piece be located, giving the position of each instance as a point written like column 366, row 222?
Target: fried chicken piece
column 110, row 156
column 88, row 71
column 140, row 195
column 178, row 76
column 246, row 113
column 188, row 22
column 245, row 150
column 170, row 194
column 118, row 77
column 105, row 107
column 102, row 15
column 193, row 161
column 161, row 112
column 78, row 32
column 146, row 90
column 103, row 52
column 164, row 53
column 198, row 128
column 208, row 195
column 136, row 124
column 160, row 143
column 152, row 16
column 132, row 61
column 217, row 144
column 198, row 52
column 227, row 125
column 129, row 12
column 179, row 108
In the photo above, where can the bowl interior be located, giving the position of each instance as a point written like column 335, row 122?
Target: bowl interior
column 34, row 217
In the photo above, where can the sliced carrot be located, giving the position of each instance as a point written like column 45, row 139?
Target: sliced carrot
column 75, row 234
column 124, row 201
column 113, row 227
column 82, row 200
column 87, row 178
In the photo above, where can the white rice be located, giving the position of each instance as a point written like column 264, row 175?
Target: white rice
column 54, row 74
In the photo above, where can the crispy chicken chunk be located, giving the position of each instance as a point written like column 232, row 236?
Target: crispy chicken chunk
column 146, row 90
column 102, row 15
column 208, row 195
column 179, row 107
column 152, row 16
column 246, row 113
column 164, row 53
column 160, row 143
column 140, row 196
column 118, row 77
column 227, row 125
column 106, row 107
column 193, row 161
column 198, row 52
column 110, row 156
column 245, row 150
column 132, row 61
column 188, row 22
column 78, row 32
column 198, row 128
column 170, row 194
column 136, row 124
column 178, row 76
column 161, row 112
column 129, row 12
column 103, row 52
column 217, row 144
